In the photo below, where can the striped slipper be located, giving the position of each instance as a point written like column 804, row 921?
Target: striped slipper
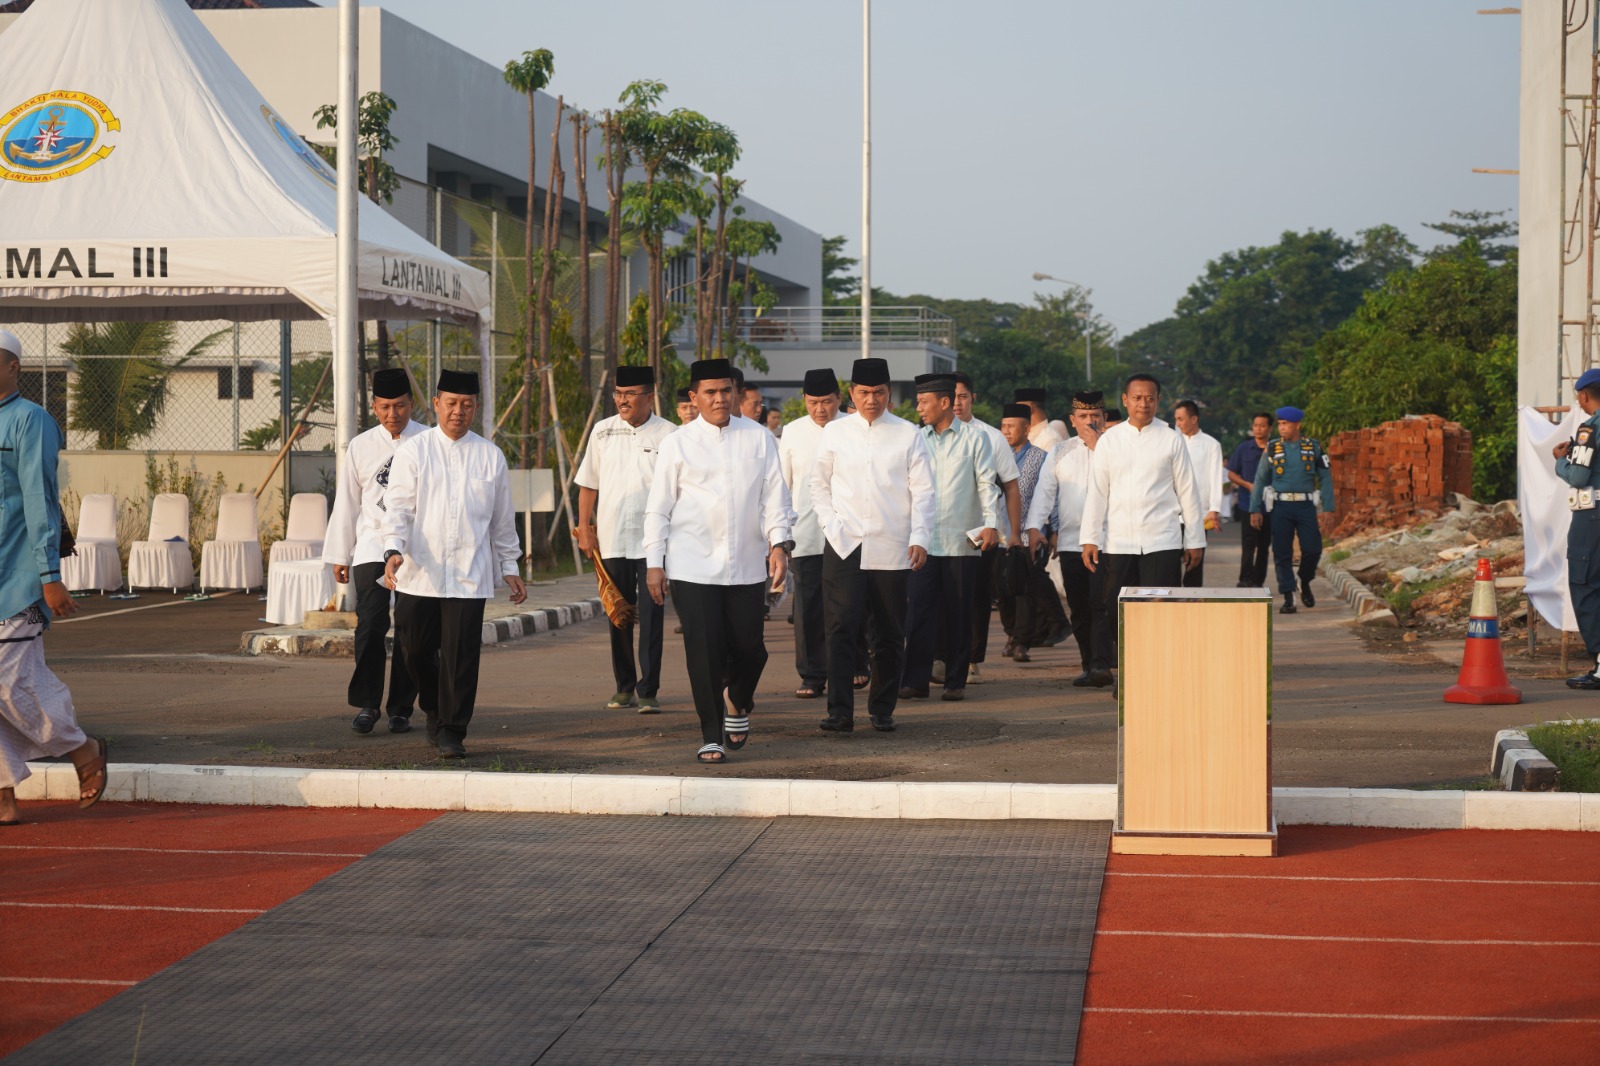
column 712, row 753
column 736, row 730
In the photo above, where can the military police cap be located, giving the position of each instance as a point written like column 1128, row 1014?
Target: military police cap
column 1291, row 414
column 1587, row 379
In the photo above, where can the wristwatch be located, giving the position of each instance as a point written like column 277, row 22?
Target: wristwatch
column 390, row 554
column 787, row 546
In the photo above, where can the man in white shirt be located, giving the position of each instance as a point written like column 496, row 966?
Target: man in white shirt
column 797, row 449
column 717, row 525
column 966, row 499
column 1142, row 520
column 872, row 489
column 1040, row 432
column 448, row 535
column 354, row 547
column 613, row 484
column 1055, row 518
column 1005, row 471
column 1205, row 455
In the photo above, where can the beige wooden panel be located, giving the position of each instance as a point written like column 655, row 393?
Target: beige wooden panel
column 1194, row 698
column 1260, row 847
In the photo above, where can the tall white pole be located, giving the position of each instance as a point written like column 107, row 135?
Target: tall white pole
column 866, row 178
column 347, row 310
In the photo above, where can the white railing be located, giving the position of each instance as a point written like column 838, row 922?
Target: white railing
column 812, row 325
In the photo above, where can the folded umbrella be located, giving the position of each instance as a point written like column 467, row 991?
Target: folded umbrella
column 612, row 601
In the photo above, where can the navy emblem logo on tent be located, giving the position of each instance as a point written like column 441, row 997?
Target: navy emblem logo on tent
column 303, row 151
column 54, row 135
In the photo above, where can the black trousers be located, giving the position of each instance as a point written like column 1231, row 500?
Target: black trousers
column 986, row 580
column 1081, row 588
column 810, row 635
column 939, row 612
column 372, row 633
column 1254, row 544
column 1196, row 578
column 853, row 598
column 628, row 575
column 723, row 646
column 1031, row 616
column 1289, row 520
column 1163, row 569
column 443, row 641
column 1583, row 579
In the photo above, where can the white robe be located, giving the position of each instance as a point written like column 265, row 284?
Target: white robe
column 37, row 719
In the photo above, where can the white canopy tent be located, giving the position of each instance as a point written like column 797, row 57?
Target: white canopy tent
column 142, row 176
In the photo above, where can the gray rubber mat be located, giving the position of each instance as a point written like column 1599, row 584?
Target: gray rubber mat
column 498, row 938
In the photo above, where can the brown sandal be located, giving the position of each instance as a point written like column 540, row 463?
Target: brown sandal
column 96, row 768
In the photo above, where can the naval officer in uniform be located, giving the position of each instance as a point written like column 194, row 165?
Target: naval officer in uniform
column 1575, row 464
column 1293, row 482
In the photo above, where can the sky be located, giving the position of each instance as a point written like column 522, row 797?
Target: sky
column 1119, row 145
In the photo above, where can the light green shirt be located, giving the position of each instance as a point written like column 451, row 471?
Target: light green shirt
column 966, row 494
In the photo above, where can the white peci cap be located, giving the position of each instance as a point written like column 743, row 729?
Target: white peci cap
column 11, row 342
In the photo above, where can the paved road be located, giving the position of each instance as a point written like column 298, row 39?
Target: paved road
column 167, row 684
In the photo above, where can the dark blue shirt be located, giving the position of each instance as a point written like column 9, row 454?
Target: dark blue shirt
column 1244, row 461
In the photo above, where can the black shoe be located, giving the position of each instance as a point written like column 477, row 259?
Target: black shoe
column 363, row 722
column 1288, row 604
column 883, row 723
column 450, row 748
column 399, row 723
column 1062, row 632
column 836, row 724
column 1100, row 678
column 1588, row 682
column 1083, row 680
column 954, row 695
column 1305, row 594
column 1243, row 585
column 909, row 693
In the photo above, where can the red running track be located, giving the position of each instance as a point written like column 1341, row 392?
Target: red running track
column 1353, row 946
column 93, row 901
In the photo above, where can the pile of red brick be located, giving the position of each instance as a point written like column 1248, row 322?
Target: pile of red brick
column 1386, row 475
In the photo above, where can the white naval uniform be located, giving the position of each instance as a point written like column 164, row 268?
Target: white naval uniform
column 355, row 528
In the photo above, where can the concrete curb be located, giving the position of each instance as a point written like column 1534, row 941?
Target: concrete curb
column 484, row 790
column 1370, row 610
column 1519, row 765
column 339, row 643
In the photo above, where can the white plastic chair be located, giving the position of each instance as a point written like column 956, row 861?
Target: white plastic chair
column 306, row 529
column 161, row 561
column 97, row 564
column 233, row 559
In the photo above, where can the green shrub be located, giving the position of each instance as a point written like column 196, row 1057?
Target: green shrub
column 1574, row 746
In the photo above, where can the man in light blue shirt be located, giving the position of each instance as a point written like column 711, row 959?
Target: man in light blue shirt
column 967, row 501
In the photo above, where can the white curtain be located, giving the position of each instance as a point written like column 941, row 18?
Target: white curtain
column 1542, row 499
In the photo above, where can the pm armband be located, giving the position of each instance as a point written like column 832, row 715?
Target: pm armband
column 1582, row 453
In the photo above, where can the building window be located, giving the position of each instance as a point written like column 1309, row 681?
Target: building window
column 247, row 383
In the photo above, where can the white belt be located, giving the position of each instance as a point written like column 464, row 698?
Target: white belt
column 1294, row 497
column 1580, row 499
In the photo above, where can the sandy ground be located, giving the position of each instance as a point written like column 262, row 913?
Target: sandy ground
column 167, row 684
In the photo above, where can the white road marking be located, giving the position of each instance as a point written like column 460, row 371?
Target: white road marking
column 1360, row 880
column 65, row 981
column 130, row 610
column 186, row 851
column 136, row 907
column 1346, row 1017
column 1355, row 939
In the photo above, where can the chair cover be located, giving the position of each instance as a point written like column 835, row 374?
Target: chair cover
column 97, row 565
column 306, row 529
column 161, row 562
column 233, row 559
column 294, row 588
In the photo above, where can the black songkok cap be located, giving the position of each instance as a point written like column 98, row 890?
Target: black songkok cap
column 870, row 372
column 944, row 383
column 391, row 384
column 629, row 377
column 460, row 382
column 1028, row 395
column 1016, row 410
column 1113, row 414
column 961, row 377
column 821, row 383
column 1088, row 401
column 710, row 370
column 683, row 395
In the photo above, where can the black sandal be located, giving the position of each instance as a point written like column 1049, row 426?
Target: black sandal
column 736, row 731
column 712, row 753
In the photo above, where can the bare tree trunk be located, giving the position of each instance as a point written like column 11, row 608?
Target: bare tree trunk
column 364, row 410
column 532, row 304
column 552, row 234
column 701, row 334
column 616, row 167
column 580, row 172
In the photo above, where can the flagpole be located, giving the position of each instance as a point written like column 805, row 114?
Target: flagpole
column 347, row 309
column 866, row 179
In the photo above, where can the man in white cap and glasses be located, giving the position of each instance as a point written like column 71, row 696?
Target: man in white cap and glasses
column 448, row 536
column 37, row 720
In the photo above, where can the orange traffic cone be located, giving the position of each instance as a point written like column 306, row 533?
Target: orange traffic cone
column 1483, row 671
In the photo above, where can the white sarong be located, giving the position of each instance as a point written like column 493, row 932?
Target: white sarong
column 36, row 716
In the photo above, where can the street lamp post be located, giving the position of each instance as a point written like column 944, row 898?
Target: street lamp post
column 1082, row 316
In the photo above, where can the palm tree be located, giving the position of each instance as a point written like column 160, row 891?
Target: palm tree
column 528, row 75
column 122, row 370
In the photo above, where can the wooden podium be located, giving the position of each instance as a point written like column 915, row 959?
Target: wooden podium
column 1194, row 708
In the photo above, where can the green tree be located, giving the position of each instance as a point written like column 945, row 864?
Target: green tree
column 1491, row 229
column 1440, row 339
column 304, row 376
column 122, row 373
column 838, row 284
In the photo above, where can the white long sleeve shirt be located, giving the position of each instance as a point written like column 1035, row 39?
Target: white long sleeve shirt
column 1059, row 496
column 1142, row 492
column 872, row 488
column 797, row 450
column 355, row 529
column 1044, row 435
column 620, row 464
column 448, row 511
column 717, row 504
column 1205, row 455
column 1005, row 461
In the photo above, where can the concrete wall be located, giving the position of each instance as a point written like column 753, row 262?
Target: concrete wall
column 123, row 473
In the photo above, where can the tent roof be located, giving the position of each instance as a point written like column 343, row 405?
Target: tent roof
column 144, row 176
